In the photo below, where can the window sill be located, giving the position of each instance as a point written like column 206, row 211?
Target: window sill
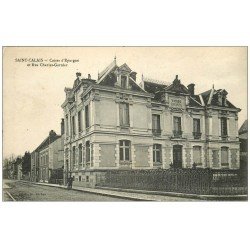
column 125, row 126
column 157, row 164
column 125, row 162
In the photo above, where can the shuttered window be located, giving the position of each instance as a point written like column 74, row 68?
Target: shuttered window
column 156, row 122
column 124, row 114
column 224, row 156
column 197, row 155
column 196, row 125
column 177, row 123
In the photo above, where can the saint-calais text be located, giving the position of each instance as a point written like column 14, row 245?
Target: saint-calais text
column 44, row 62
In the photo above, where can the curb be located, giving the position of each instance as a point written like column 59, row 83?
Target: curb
column 148, row 192
column 181, row 195
column 90, row 191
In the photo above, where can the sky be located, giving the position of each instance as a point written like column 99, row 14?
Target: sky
column 33, row 95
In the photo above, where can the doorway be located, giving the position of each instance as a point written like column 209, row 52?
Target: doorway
column 177, row 156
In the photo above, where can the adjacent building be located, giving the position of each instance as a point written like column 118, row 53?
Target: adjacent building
column 48, row 156
column 115, row 123
column 243, row 136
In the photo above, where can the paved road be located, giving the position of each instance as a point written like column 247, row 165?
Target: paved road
column 21, row 191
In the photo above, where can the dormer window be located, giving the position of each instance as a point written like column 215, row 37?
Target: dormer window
column 124, row 82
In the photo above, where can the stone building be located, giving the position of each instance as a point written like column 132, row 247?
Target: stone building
column 115, row 123
column 47, row 156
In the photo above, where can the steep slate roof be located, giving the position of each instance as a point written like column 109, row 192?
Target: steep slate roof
column 154, row 88
column 108, row 78
column 244, row 127
column 195, row 101
column 213, row 94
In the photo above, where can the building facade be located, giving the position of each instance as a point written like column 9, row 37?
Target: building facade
column 47, row 157
column 115, row 123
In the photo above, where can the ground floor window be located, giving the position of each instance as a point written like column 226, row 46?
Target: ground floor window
column 157, row 153
column 124, row 150
column 224, row 156
column 197, row 155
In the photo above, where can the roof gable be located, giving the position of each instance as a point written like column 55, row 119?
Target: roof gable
column 177, row 87
column 125, row 68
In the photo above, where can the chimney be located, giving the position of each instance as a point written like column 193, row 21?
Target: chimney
column 176, row 80
column 191, row 88
column 89, row 76
column 62, row 127
column 52, row 134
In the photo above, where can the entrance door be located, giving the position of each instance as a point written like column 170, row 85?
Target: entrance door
column 177, row 156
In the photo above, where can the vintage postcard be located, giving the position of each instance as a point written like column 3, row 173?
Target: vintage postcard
column 124, row 123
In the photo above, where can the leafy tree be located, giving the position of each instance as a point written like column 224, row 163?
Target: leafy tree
column 26, row 164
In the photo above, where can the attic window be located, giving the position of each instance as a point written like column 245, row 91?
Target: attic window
column 124, row 82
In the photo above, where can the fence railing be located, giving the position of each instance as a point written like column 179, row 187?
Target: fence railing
column 191, row 181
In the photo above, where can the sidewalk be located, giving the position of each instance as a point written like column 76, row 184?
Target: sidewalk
column 144, row 195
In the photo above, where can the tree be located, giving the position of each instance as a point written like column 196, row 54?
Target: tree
column 26, row 164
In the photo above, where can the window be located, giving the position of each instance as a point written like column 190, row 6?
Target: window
column 196, row 128
column 223, row 126
column 87, row 151
column 156, row 126
column 80, row 121
column 197, row 155
column 157, row 153
column 87, row 116
column 80, row 178
column 73, row 126
column 196, row 125
column 124, row 82
column 80, row 153
column 177, row 127
column 87, row 178
column 74, row 155
column 124, row 114
column 67, row 125
column 177, row 123
column 47, row 159
column 124, row 150
column 224, row 156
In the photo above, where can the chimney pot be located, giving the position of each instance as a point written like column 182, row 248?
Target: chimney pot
column 78, row 74
column 89, row 76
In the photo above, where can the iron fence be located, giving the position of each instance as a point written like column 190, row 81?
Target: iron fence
column 191, row 181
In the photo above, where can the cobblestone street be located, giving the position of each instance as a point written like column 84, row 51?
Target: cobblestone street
column 22, row 191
